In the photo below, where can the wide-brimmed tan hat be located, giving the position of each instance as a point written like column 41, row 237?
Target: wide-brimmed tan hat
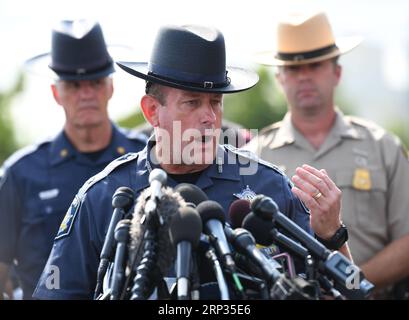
column 305, row 39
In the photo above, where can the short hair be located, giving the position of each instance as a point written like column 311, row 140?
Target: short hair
column 157, row 91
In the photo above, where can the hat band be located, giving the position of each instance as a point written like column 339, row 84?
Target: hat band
column 80, row 71
column 299, row 56
column 189, row 79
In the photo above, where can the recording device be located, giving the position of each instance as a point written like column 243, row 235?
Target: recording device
column 191, row 193
column 333, row 264
column 122, row 201
column 185, row 230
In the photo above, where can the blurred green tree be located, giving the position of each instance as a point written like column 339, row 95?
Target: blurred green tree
column 8, row 142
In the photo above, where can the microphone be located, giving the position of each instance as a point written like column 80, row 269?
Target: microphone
column 213, row 219
column 121, row 237
column 157, row 179
column 192, row 194
column 336, row 265
column 151, row 251
column 122, row 201
column 245, row 244
column 238, row 210
column 185, row 230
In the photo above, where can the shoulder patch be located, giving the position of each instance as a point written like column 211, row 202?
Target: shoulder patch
column 67, row 223
column 252, row 156
column 23, row 152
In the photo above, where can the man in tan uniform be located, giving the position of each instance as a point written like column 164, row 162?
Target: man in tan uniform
column 368, row 164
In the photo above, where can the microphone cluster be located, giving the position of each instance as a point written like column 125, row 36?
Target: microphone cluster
column 176, row 244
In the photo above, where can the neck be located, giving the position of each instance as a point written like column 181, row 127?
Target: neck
column 314, row 127
column 89, row 139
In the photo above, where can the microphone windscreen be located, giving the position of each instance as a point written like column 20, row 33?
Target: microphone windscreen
column 259, row 228
column 168, row 206
column 186, row 225
column 238, row 210
column 158, row 175
column 210, row 209
column 191, row 193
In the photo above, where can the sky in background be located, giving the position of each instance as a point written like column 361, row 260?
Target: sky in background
column 248, row 27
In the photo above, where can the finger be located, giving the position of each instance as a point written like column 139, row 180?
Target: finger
column 305, row 186
column 308, row 200
column 314, row 180
column 331, row 184
column 322, row 174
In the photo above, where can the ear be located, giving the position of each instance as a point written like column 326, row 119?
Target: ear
column 338, row 73
column 150, row 107
column 110, row 87
column 278, row 75
column 56, row 95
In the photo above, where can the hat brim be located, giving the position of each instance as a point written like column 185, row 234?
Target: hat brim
column 39, row 65
column 344, row 45
column 240, row 79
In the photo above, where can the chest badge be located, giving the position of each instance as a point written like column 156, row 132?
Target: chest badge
column 362, row 179
column 246, row 194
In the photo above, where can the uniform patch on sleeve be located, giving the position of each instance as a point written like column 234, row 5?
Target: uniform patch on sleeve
column 67, row 222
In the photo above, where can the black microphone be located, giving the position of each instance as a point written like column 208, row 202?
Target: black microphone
column 245, row 244
column 152, row 253
column 334, row 264
column 238, row 210
column 185, row 230
column 213, row 219
column 121, row 237
column 266, row 234
column 265, row 208
column 191, row 193
column 122, row 201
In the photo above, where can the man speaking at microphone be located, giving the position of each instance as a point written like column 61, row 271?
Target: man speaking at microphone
column 186, row 78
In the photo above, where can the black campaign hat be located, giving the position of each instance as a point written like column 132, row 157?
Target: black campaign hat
column 191, row 58
column 79, row 52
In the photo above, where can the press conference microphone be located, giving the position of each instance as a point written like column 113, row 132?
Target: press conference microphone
column 121, row 237
column 333, row 263
column 213, row 219
column 185, row 230
column 152, row 253
column 157, row 179
column 238, row 210
column 245, row 244
column 122, row 201
column 265, row 208
column 191, row 193
column 266, row 234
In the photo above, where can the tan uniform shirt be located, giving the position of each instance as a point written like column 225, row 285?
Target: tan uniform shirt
column 368, row 164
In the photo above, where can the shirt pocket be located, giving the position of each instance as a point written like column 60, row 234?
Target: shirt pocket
column 365, row 209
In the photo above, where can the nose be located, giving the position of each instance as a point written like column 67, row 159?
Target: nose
column 304, row 72
column 208, row 117
column 86, row 89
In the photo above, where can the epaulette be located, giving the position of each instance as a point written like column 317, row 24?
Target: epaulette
column 368, row 124
column 67, row 223
column 252, row 156
column 23, row 152
column 274, row 126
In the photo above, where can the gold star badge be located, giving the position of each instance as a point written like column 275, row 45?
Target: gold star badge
column 120, row 150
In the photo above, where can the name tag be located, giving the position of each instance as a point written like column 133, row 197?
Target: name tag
column 48, row 194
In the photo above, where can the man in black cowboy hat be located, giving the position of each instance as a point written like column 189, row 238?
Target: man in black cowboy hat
column 367, row 163
column 186, row 79
column 40, row 181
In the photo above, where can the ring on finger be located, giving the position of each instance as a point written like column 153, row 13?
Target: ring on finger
column 317, row 195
